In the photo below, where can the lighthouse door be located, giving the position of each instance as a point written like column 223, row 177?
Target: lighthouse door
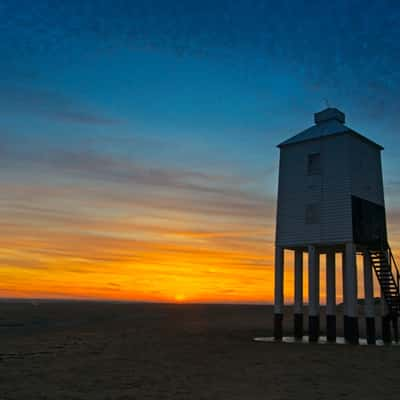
column 369, row 223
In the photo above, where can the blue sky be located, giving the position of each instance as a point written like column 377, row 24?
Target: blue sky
column 181, row 102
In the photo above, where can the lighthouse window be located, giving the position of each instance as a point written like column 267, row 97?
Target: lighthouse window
column 312, row 214
column 314, row 164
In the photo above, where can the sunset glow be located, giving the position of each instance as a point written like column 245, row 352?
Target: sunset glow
column 180, row 298
column 138, row 160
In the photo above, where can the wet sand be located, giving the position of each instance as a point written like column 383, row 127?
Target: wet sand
column 136, row 351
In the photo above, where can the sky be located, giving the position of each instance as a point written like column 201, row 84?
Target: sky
column 138, row 155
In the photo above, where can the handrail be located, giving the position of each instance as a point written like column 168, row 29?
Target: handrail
column 393, row 262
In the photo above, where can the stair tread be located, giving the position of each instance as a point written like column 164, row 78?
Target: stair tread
column 381, row 263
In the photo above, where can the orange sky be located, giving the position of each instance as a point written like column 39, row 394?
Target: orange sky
column 140, row 162
column 83, row 240
column 80, row 241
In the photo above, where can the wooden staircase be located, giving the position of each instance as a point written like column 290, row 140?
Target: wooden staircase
column 388, row 276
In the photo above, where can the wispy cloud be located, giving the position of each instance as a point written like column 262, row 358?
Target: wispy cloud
column 50, row 104
column 124, row 222
column 225, row 191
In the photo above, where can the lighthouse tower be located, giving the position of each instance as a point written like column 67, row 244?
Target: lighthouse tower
column 330, row 202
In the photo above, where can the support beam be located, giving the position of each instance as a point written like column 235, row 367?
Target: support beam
column 279, row 299
column 369, row 304
column 298, row 294
column 344, row 283
column 313, row 293
column 330, row 296
column 350, row 284
column 386, row 334
column 395, row 322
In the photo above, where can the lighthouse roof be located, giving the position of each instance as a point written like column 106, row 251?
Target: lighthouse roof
column 327, row 122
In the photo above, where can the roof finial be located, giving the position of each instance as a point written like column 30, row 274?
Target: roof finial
column 327, row 103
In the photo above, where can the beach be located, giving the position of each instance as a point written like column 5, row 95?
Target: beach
column 89, row 350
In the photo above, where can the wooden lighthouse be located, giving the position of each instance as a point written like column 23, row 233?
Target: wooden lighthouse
column 330, row 201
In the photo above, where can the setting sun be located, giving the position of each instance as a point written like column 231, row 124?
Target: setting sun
column 180, row 298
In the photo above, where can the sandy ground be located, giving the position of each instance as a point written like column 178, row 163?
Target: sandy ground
column 132, row 351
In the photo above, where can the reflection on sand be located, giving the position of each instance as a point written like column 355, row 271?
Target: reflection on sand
column 322, row 340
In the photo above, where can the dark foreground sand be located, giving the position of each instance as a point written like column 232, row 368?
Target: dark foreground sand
column 131, row 351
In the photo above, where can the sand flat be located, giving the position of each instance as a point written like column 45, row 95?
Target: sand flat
column 135, row 351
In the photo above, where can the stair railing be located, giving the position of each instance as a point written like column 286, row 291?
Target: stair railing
column 394, row 267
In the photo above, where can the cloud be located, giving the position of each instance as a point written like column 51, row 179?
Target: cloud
column 50, row 104
column 392, row 187
column 89, row 213
column 179, row 189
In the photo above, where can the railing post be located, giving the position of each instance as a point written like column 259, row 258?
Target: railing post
column 398, row 278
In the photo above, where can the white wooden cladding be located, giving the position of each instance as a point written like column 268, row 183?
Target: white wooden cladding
column 316, row 208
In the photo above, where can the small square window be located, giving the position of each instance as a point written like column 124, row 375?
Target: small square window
column 314, row 164
column 312, row 214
